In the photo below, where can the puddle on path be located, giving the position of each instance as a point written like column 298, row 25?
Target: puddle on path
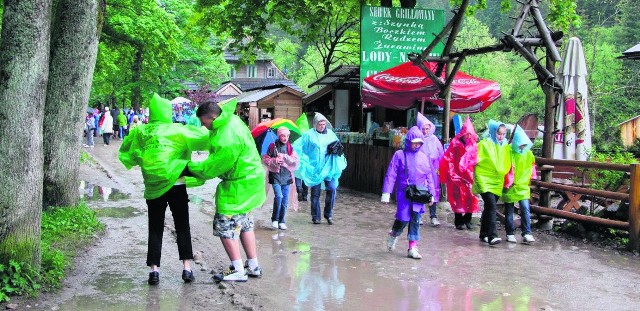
column 318, row 280
column 93, row 192
column 118, row 212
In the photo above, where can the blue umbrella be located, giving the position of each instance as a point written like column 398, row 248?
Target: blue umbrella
column 264, row 140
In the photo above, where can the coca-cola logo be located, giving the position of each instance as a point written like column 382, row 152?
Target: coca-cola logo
column 466, row 81
column 404, row 80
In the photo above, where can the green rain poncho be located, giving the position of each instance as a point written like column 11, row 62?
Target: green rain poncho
column 494, row 162
column 523, row 168
column 233, row 158
column 122, row 120
column 161, row 148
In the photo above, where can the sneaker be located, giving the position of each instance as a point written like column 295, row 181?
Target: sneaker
column 391, row 242
column 187, row 276
column 421, row 222
column 413, row 253
column 231, row 275
column 434, row 222
column 495, row 241
column 528, row 238
column 254, row 273
column 511, row 238
column 282, row 226
column 485, row 240
column 460, row 227
column 154, row 278
column 316, row 221
column 274, row 225
column 330, row 221
column 85, row 145
column 469, row 225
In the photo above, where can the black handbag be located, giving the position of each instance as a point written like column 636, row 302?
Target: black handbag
column 335, row 148
column 416, row 193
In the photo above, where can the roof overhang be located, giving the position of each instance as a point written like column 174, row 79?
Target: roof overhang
column 341, row 76
column 632, row 53
column 317, row 94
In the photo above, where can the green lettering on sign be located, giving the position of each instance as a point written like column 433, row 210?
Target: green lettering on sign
column 389, row 34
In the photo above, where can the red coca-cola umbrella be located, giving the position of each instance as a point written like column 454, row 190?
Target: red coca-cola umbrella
column 401, row 86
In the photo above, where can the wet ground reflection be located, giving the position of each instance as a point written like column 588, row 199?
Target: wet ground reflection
column 93, row 192
column 318, row 280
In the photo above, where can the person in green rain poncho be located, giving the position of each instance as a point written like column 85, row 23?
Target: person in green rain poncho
column 494, row 162
column 122, row 124
column 524, row 170
column 301, row 187
column 162, row 149
column 233, row 158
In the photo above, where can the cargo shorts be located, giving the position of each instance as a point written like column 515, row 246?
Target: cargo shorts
column 230, row 227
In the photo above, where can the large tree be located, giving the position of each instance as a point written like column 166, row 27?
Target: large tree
column 74, row 45
column 24, row 70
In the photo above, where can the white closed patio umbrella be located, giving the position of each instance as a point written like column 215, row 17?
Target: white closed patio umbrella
column 573, row 137
column 180, row 100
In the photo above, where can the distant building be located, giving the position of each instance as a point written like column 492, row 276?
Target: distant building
column 630, row 131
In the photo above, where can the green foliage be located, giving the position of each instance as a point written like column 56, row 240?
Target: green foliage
column 64, row 231
column 606, row 179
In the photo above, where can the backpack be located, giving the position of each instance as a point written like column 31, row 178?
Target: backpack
column 89, row 124
column 272, row 152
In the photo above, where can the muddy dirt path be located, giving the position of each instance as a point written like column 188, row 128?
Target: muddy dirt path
column 321, row 267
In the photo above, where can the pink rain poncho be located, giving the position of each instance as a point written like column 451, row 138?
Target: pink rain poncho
column 456, row 170
column 419, row 173
column 432, row 148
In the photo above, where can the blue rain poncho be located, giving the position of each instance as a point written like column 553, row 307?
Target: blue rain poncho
column 316, row 165
column 161, row 148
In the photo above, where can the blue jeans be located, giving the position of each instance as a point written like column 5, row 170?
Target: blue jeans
column 330, row 187
column 432, row 211
column 280, row 201
column 525, row 217
column 414, row 225
column 120, row 131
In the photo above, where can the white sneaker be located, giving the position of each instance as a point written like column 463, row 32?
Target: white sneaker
column 282, row 226
column 511, row 238
column 391, row 242
column 413, row 253
column 274, row 225
column 434, row 222
column 495, row 241
column 254, row 273
column 231, row 276
column 528, row 238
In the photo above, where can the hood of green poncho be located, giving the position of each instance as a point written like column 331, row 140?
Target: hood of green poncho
column 160, row 110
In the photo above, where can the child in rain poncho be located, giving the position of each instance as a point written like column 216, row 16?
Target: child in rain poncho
column 494, row 162
column 432, row 148
column 524, row 170
column 234, row 159
column 318, row 166
column 414, row 163
column 162, row 149
column 456, row 172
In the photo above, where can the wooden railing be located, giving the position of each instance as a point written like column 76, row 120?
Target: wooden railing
column 573, row 192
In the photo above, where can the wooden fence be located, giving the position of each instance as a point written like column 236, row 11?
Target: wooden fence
column 366, row 167
column 572, row 193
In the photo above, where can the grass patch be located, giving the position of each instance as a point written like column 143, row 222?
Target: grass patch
column 64, row 231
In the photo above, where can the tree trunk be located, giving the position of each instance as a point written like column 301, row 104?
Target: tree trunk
column 137, row 74
column 24, row 69
column 74, row 47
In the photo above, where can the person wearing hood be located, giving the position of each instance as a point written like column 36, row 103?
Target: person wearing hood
column 432, row 148
column 107, row 126
column 162, row 150
column 456, row 172
column 281, row 161
column 494, row 163
column 318, row 165
column 524, row 170
column 122, row 124
column 234, row 159
column 407, row 166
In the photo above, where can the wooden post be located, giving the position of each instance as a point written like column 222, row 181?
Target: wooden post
column 634, row 209
column 549, row 127
column 447, row 109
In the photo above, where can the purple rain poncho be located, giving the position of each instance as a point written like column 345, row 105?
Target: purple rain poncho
column 432, row 148
column 419, row 170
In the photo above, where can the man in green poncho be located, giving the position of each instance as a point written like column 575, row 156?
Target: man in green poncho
column 235, row 160
column 162, row 149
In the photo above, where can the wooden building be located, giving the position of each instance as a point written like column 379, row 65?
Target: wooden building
column 630, row 131
column 278, row 102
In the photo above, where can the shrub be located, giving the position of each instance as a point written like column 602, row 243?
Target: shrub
column 606, row 179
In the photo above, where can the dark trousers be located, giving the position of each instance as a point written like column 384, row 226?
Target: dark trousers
column 178, row 202
column 462, row 219
column 302, row 189
column 106, row 137
column 488, row 219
